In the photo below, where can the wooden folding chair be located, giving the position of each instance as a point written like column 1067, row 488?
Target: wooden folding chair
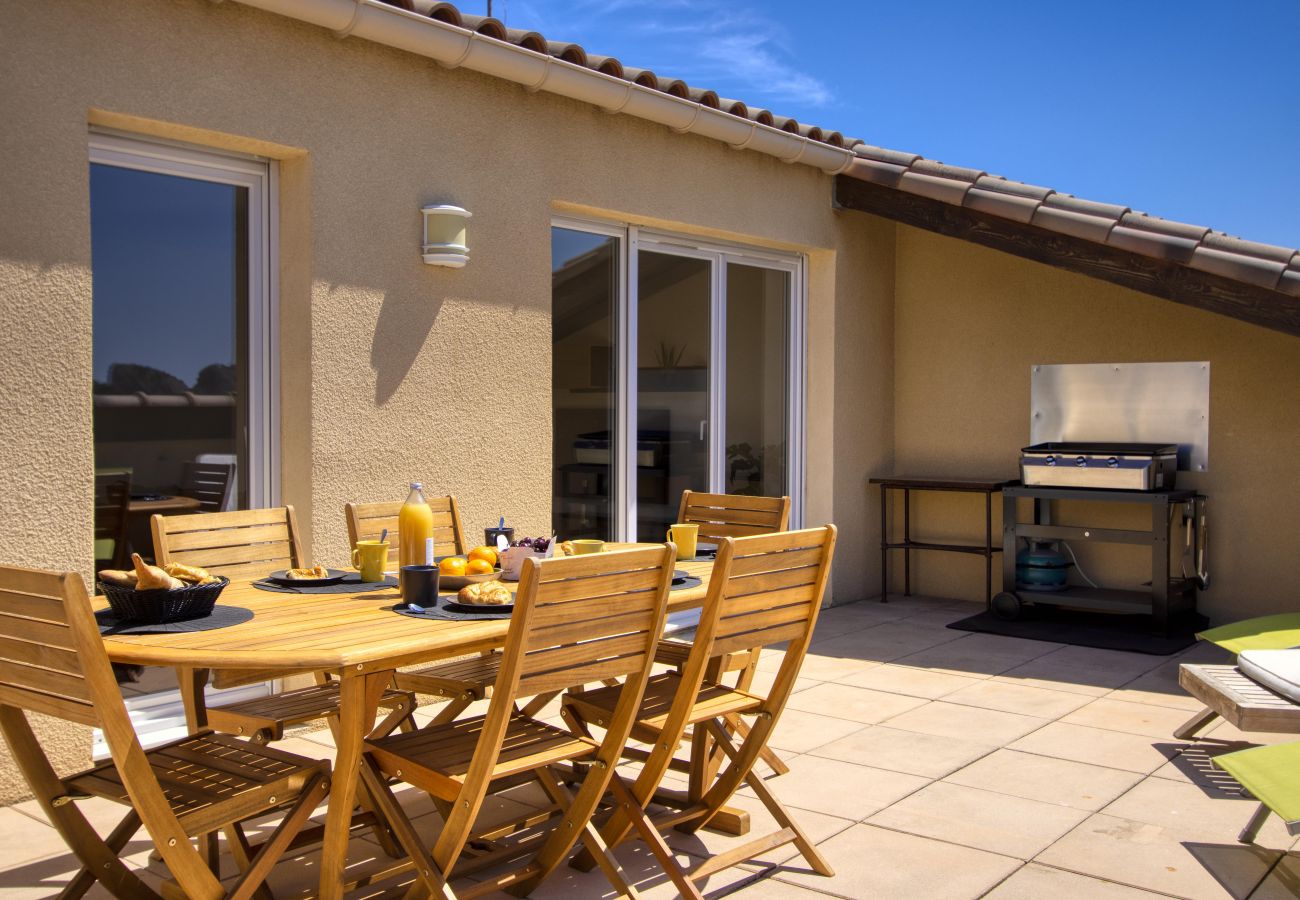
column 722, row 516
column 367, row 521
column 763, row 590
column 576, row 621
column 112, row 503
column 250, row 544
column 52, row 661
column 208, row 483
column 461, row 681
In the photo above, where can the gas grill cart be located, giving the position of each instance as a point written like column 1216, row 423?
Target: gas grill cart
column 1177, row 537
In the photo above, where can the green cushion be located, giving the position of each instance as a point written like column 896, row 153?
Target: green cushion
column 1278, row 632
column 1272, row 774
column 104, row 548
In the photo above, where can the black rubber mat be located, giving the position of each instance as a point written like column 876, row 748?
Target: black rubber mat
column 1135, row 634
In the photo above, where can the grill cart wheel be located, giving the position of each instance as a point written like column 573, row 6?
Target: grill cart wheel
column 1007, row 606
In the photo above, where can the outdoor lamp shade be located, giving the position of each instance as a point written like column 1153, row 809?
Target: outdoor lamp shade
column 444, row 236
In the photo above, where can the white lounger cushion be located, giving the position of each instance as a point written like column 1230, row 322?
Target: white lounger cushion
column 1277, row 670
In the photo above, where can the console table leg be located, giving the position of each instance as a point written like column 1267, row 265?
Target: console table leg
column 884, row 543
column 907, row 542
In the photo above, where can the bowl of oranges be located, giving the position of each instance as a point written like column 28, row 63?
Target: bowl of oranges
column 480, row 564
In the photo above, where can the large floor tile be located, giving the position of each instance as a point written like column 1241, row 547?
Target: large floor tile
column 1060, row 782
column 883, row 864
column 908, row 680
column 800, row 732
column 1011, row 826
column 704, row 843
column 1192, row 812
column 839, row 788
column 1083, row 670
column 1132, row 718
column 979, row 655
column 844, row 701
column 1035, row 882
column 987, row 726
column 1159, row 687
column 24, row 838
column 1116, row 749
column 1158, row 859
column 882, row 643
column 904, row 751
column 1016, row 698
column 818, row 667
column 1283, row 883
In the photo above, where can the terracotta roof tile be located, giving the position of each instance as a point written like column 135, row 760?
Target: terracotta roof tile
column 997, row 203
column 1118, row 226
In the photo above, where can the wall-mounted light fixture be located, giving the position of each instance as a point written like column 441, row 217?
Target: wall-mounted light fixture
column 444, row 236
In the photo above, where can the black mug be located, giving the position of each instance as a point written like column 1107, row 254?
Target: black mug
column 490, row 536
column 420, row 586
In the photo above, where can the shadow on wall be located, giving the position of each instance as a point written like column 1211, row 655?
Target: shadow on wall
column 403, row 327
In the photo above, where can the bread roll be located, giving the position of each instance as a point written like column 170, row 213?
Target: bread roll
column 486, row 593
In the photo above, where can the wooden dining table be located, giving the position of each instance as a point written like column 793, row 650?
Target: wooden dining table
column 357, row 638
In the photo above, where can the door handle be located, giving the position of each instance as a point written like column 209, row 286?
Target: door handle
column 704, row 427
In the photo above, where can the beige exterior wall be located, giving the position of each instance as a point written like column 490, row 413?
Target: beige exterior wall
column 386, row 363
column 969, row 324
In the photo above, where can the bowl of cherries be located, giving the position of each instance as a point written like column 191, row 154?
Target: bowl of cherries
column 512, row 559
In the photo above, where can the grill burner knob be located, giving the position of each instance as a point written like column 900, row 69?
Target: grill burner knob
column 1112, row 463
column 1081, row 461
column 1051, row 460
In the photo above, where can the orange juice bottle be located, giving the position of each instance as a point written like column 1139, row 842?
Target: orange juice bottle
column 414, row 527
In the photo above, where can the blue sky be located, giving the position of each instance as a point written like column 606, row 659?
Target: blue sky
column 1186, row 109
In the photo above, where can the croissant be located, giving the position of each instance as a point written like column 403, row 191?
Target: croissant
column 191, row 574
column 152, row 578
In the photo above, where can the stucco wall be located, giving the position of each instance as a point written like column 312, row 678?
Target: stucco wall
column 391, row 370
column 969, row 324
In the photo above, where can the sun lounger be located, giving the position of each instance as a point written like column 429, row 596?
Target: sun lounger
column 1231, row 695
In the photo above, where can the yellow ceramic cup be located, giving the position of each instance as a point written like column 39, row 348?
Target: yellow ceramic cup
column 370, row 558
column 684, row 536
column 587, row 545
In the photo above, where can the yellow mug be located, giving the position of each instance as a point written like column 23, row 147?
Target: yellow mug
column 588, row 545
column 684, row 536
column 370, row 558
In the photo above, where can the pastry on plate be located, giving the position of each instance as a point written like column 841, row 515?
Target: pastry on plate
column 486, row 593
column 308, row 574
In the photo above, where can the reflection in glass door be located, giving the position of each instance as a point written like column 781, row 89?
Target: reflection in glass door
column 674, row 308
column 676, row 366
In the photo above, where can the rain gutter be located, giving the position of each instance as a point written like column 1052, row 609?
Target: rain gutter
column 455, row 47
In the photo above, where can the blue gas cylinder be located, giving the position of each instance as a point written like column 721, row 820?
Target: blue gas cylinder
column 1041, row 567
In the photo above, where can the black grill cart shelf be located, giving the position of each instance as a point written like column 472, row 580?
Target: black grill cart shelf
column 1170, row 594
column 960, row 485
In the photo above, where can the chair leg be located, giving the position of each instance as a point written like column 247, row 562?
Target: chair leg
column 400, row 716
column 312, row 793
column 653, row 839
column 451, row 709
column 737, row 726
column 426, row 873
column 1188, row 729
column 118, row 838
column 560, row 796
column 90, row 849
column 1256, row 822
column 243, row 854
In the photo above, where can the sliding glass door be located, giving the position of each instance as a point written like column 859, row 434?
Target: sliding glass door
column 677, row 366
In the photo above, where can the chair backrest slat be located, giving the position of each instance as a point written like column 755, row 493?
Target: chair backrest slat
column 239, row 544
column 41, row 660
column 367, row 521
column 208, row 483
column 734, row 515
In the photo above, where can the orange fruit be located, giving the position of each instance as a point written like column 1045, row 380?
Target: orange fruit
column 452, row 565
column 484, row 552
column 478, row 567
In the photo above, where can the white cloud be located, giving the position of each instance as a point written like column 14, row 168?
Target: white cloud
column 736, row 52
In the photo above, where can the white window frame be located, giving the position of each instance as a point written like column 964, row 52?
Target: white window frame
column 261, row 178
column 160, row 717
column 632, row 239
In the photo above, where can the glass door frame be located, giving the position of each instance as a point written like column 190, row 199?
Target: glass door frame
column 632, row 239
column 160, row 716
column 260, row 178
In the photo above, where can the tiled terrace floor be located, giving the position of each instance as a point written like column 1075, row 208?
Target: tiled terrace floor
column 929, row 762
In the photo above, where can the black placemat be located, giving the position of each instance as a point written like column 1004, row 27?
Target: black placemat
column 351, row 584
column 220, row 617
column 442, row 612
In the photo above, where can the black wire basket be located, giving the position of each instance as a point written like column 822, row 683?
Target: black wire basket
column 163, row 605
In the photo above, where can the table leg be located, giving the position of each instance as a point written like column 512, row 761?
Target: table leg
column 988, row 550
column 193, row 683
column 884, row 543
column 358, row 702
column 907, row 543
